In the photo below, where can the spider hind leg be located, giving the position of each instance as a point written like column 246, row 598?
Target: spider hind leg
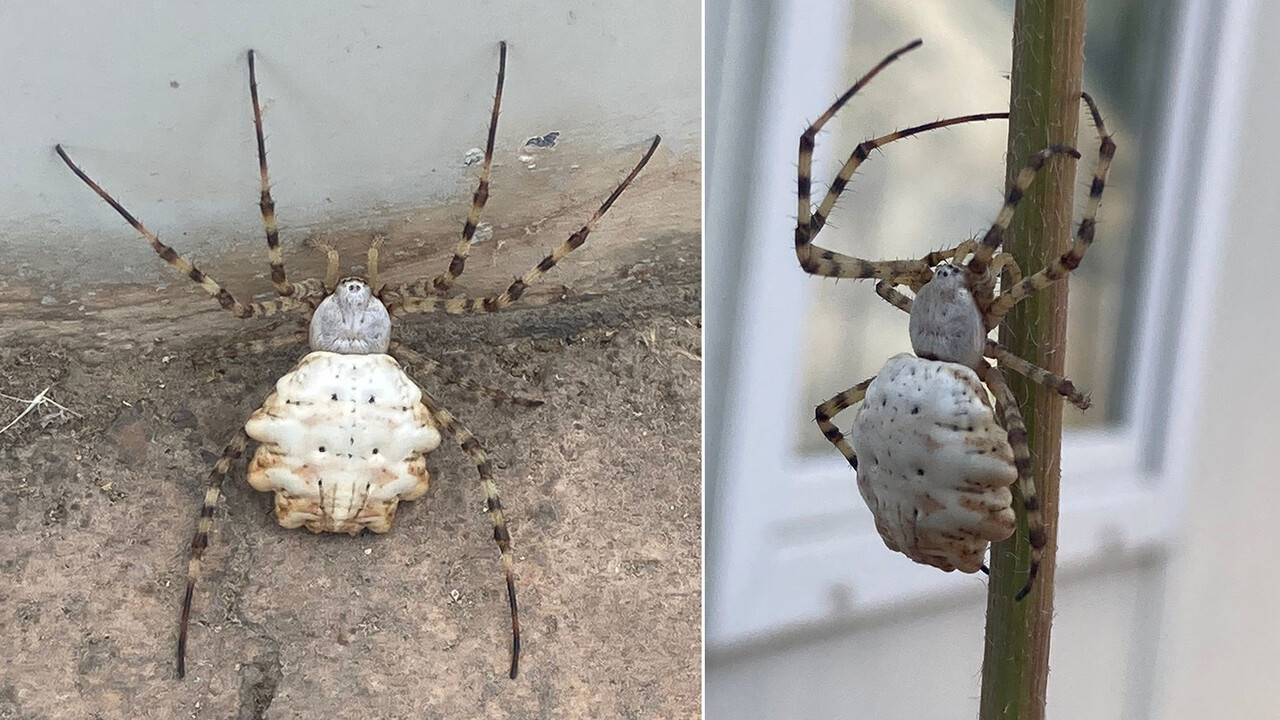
column 1011, row 416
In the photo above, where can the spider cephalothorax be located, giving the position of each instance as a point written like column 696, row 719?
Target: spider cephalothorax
column 960, row 295
column 351, row 320
column 945, row 321
column 343, row 438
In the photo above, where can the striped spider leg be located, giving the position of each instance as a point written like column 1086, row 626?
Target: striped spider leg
column 816, row 260
column 422, row 298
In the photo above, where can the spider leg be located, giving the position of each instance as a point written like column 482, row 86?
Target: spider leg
column 471, row 446
column 1007, row 405
column 863, row 151
column 424, row 365
column 200, row 541
column 268, row 206
column 168, row 254
column 836, row 405
column 254, row 347
column 445, row 280
column 893, row 296
column 958, row 252
column 171, row 256
column 1050, row 381
column 1003, row 268
column 1004, row 263
column 1070, row 260
column 404, row 300
column 820, row 261
column 995, row 235
column 280, row 304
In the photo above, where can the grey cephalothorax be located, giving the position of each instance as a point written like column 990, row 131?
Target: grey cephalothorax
column 945, row 322
column 351, row 321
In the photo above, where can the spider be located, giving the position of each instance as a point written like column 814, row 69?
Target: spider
column 352, row 383
column 956, row 302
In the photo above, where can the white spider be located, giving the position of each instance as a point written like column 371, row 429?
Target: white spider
column 956, row 305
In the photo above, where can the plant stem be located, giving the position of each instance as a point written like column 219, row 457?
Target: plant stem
column 1048, row 60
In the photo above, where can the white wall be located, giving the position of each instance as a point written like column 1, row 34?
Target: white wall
column 369, row 107
column 1218, row 656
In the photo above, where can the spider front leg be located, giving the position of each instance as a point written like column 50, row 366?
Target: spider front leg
column 265, row 203
column 1070, row 260
column 184, row 266
column 471, row 446
column 1011, row 416
column 956, row 254
column 978, row 264
column 405, row 299
column 816, row 260
column 825, row 412
column 445, row 280
column 200, row 541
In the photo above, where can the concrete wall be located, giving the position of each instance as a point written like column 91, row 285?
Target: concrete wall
column 370, row 109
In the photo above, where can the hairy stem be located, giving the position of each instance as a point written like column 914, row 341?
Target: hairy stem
column 1048, row 59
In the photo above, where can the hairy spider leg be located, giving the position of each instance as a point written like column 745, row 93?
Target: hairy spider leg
column 1070, row 260
column 426, row 366
column 1038, row 375
column 268, row 206
column 1012, row 417
column 402, row 299
column 171, row 256
column 816, row 260
column 827, row 411
column 200, row 541
column 471, row 446
column 444, row 281
column 1017, row 189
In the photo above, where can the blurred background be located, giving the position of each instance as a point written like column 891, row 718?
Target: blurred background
column 1162, row 609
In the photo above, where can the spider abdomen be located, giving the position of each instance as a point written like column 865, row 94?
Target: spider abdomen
column 934, row 466
column 343, row 440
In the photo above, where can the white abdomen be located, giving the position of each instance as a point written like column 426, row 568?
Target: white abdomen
column 934, row 466
column 343, row 441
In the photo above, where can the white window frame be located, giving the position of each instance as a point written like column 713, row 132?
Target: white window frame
column 790, row 544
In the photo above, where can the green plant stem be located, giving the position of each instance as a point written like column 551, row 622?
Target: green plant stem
column 1048, row 60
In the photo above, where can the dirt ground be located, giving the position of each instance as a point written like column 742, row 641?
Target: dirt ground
column 602, row 486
